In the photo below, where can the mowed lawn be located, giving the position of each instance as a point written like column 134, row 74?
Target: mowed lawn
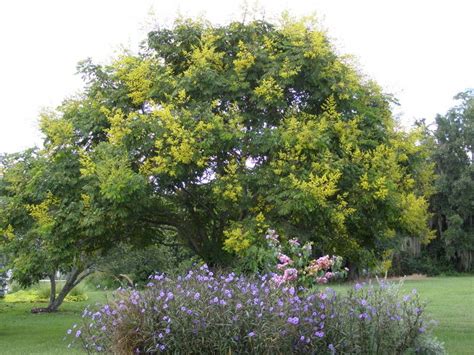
column 450, row 301
column 22, row 332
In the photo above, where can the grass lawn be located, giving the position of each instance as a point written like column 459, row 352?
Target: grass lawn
column 22, row 332
column 450, row 301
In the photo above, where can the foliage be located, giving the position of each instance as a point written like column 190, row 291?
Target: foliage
column 210, row 135
column 50, row 219
column 225, row 313
column 41, row 293
column 126, row 263
column 406, row 263
column 452, row 204
column 41, row 216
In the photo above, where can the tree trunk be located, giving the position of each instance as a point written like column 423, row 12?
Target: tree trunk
column 68, row 286
column 52, row 292
column 73, row 279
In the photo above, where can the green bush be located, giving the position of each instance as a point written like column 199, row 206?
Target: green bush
column 102, row 280
column 406, row 264
column 125, row 263
column 40, row 293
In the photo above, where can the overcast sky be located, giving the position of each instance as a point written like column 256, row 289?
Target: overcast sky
column 419, row 50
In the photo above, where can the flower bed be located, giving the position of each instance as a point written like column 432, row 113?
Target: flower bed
column 206, row 313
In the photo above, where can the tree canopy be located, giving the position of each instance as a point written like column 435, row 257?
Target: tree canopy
column 210, row 136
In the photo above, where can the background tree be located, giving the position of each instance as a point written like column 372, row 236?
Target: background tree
column 453, row 203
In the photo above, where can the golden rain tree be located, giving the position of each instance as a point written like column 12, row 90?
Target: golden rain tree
column 213, row 134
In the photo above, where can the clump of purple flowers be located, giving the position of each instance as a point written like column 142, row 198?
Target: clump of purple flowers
column 216, row 313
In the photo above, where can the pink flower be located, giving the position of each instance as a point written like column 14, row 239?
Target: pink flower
column 278, row 280
column 272, row 238
column 324, row 262
column 329, row 275
column 284, row 259
column 321, row 280
column 294, row 242
column 290, row 274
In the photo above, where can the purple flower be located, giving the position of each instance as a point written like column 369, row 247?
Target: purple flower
column 238, row 306
column 197, row 295
column 78, row 333
column 293, row 320
column 357, row 286
column 319, row 334
column 363, row 316
column 251, row 334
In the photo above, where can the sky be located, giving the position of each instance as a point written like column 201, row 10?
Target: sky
column 419, row 50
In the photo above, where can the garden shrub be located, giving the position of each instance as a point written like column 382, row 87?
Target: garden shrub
column 102, row 280
column 207, row 313
column 125, row 263
column 40, row 293
column 407, row 264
